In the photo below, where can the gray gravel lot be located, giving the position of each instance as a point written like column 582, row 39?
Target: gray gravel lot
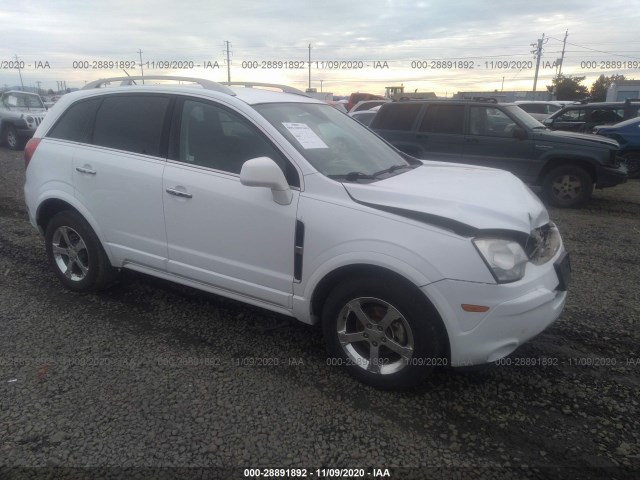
column 148, row 374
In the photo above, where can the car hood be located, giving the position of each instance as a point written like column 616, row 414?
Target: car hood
column 571, row 137
column 32, row 111
column 460, row 197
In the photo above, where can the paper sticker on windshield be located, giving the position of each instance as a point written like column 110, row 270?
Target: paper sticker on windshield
column 304, row 135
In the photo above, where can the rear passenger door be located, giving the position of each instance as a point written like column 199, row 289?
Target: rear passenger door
column 117, row 175
column 221, row 232
column 440, row 133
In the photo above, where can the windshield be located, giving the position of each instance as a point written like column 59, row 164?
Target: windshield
column 335, row 144
column 523, row 117
column 22, row 100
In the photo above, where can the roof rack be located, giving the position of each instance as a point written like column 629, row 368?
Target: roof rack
column 130, row 80
column 485, row 99
column 282, row 88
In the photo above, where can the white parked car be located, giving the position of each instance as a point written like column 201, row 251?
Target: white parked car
column 280, row 201
column 20, row 115
column 538, row 109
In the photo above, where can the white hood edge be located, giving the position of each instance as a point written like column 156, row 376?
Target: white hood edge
column 478, row 197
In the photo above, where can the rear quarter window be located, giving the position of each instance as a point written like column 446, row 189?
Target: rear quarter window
column 76, row 123
column 397, row 116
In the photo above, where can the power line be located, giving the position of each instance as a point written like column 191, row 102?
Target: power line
column 599, row 51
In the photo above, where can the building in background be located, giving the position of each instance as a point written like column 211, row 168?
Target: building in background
column 622, row 89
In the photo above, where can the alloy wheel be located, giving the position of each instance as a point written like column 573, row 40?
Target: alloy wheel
column 375, row 335
column 70, row 253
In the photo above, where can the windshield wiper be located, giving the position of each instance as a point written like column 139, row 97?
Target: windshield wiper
column 391, row 169
column 352, row 176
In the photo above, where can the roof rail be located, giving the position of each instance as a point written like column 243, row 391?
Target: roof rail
column 208, row 84
column 283, row 88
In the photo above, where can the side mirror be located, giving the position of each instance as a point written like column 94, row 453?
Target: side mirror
column 264, row 172
column 520, row 133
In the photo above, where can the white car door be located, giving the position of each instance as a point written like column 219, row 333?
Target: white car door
column 119, row 177
column 220, row 232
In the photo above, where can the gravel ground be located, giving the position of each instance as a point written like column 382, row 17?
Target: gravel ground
column 151, row 375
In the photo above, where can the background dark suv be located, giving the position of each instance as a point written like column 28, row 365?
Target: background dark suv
column 564, row 166
column 584, row 117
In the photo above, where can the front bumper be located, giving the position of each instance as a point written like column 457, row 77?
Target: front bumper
column 517, row 312
column 25, row 133
column 610, row 176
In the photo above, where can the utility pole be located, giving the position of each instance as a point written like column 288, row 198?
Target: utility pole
column 38, row 82
column 309, row 66
column 537, row 54
column 321, row 85
column 20, row 73
column 564, row 44
column 228, row 61
column 141, row 69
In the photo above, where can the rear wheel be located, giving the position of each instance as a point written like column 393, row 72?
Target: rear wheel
column 632, row 160
column 75, row 253
column 568, row 186
column 381, row 333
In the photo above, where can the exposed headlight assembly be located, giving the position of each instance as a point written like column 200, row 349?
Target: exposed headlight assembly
column 505, row 258
column 543, row 244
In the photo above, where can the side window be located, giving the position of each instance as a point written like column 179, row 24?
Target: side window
column 131, row 122
column 76, row 123
column 490, row 121
column 533, row 107
column 214, row 137
column 574, row 115
column 606, row 115
column 399, row 116
column 443, row 119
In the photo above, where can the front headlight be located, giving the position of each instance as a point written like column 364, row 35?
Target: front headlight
column 543, row 244
column 506, row 258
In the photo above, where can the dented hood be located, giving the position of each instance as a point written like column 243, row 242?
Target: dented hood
column 456, row 195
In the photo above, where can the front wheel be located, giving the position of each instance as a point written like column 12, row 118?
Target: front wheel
column 632, row 160
column 75, row 253
column 568, row 186
column 12, row 139
column 382, row 333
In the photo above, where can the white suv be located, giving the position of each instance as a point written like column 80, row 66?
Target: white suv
column 283, row 202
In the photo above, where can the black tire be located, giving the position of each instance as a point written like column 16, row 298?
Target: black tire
column 632, row 159
column 11, row 138
column 76, row 255
column 568, row 186
column 414, row 330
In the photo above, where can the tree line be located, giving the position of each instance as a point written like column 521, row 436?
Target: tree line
column 571, row 88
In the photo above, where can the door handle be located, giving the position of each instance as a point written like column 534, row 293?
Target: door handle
column 86, row 170
column 179, row 193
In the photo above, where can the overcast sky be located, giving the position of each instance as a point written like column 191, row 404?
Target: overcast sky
column 407, row 35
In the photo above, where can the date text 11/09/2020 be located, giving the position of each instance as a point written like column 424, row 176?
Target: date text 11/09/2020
column 300, row 64
column 317, row 472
